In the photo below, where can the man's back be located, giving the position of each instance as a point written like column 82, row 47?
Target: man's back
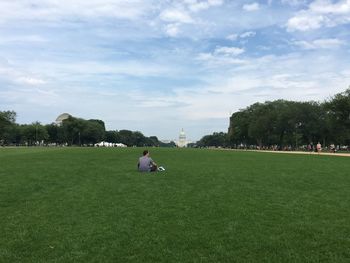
column 145, row 164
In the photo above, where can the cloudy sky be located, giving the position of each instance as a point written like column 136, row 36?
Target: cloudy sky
column 159, row 66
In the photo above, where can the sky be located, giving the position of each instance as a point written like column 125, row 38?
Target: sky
column 160, row 66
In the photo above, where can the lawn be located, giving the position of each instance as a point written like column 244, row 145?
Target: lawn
column 91, row 205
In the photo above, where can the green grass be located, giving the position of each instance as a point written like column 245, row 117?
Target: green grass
column 91, row 205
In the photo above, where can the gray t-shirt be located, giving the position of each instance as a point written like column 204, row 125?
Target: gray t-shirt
column 145, row 164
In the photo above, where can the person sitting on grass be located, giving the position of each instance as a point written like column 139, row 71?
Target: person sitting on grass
column 146, row 164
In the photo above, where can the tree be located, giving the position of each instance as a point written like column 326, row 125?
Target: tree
column 72, row 128
column 170, row 144
column 153, row 141
column 260, row 123
column 54, row 133
column 139, row 139
column 217, row 139
column 92, row 132
column 338, row 109
column 280, row 122
column 238, row 127
column 112, row 136
column 34, row 134
column 127, row 137
column 77, row 131
column 7, row 126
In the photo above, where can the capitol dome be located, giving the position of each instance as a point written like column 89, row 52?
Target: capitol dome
column 182, row 139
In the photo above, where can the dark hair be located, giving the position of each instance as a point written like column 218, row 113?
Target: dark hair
column 145, row 152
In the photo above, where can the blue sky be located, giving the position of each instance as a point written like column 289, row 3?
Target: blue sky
column 159, row 66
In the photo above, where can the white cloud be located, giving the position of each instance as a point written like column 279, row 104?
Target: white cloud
column 327, row 43
column 157, row 102
column 205, row 56
column 219, row 60
column 247, row 34
column 294, row 2
column 320, row 13
column 228, row 51
column 9, row 73
column 31, row 81
column 232, row 37
column 304, row 44
column 196, row 6
column 257, row 80
column 281, row 77
column 305, row 21
column 174, row 15
column 43, row 73
column 251, row 7
column 130, row 68
column 172, row 30
column 292, row 77
column 182, row 12
column 91, row 55
column 24, row 38
column 327, row 7
column 52, row 10
column 221, row 57
column 174, row 19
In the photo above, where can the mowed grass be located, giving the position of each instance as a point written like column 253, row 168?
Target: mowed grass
column 91, row 205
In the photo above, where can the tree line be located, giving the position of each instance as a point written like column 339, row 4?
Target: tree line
column 278, row 124
column 72, row 131
column 287, row 124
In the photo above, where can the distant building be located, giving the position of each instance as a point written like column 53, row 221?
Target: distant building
column 61, row 118
column 182, row 142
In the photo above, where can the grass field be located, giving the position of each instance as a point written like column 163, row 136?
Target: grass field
column 90, row 205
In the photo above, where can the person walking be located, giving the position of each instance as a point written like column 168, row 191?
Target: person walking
column 319, row 147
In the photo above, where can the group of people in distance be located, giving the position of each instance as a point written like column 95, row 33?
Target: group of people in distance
column 146, row 164
column 319, row 147
column 310, row 147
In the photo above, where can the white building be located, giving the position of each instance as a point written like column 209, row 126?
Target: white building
column 61, row 118
column 182, row 142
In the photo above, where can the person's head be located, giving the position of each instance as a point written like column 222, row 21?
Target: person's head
column 145, row 153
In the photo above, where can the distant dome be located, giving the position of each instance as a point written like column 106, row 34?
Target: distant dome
column 182, row 139
column 182, row 134
column 61, row 118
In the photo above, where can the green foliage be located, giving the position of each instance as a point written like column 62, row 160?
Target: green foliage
column 136, row 138
column 77, row 131
column 33, row 134
column 127, row 137
column 91, row 205
column 338, row 110
column 72, row 128
column 112, row 136
column 7, row 127
column 55, row 133
column 92, row 132
column 214, row 140
column 293, row 123
column 73, row 131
